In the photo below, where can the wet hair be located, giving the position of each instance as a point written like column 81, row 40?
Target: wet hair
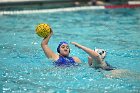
column 58, row 48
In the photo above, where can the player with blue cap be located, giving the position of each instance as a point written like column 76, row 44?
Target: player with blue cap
column 62, row 58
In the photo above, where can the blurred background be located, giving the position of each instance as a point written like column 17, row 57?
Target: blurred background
column 43, row 4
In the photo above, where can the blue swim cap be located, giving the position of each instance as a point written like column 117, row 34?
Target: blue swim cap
column 58, row 48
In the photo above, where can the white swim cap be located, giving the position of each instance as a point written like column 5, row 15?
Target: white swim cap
column 101, row 52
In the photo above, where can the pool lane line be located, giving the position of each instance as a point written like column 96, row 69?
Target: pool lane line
column 123, row 6
column 51, row 10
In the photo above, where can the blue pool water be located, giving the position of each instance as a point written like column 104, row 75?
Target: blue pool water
column 25, row 69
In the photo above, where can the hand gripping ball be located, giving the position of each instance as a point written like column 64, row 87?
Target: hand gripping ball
column 43, row 30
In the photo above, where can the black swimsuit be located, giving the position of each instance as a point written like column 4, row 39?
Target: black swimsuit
column 106, row 68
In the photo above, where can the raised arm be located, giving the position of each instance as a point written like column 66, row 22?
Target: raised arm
column 89, row 51
column 48, row 52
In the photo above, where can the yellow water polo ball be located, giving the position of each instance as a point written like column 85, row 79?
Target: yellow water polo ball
column 43, row 30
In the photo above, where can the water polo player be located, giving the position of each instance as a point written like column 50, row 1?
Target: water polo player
column 96, row 57
column 62, row 58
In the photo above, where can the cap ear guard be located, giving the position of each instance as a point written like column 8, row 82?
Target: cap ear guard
column 58, row 49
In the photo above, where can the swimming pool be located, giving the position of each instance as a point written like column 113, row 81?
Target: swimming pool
column 25, row 69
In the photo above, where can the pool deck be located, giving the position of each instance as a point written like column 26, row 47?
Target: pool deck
column 27, row 3
column 48, row 4
column 9, row 2
column 17, row 1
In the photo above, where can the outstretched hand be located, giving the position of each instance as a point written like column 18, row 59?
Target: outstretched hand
column 76, row 44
